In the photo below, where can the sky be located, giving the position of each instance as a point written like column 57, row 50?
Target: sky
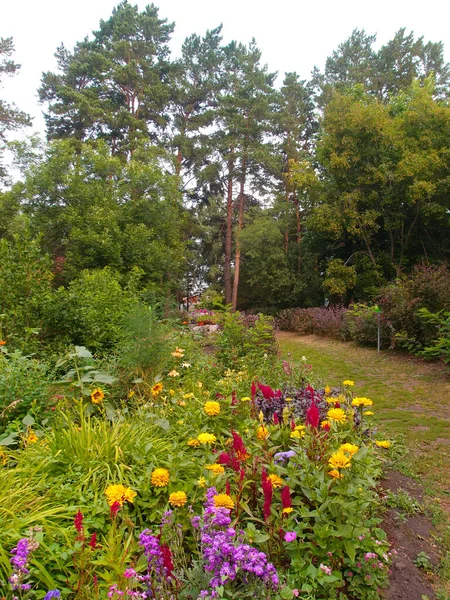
column 293, row 35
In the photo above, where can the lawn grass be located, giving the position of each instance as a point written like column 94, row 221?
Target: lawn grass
column 411, row 398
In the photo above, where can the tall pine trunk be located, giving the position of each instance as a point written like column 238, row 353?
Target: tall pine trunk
column 237, row 260
column 228, row 235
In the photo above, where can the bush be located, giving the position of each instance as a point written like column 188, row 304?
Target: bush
column 329, row 322
column 362, row 325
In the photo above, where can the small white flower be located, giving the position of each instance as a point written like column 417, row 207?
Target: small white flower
column 304, row 358
column 186, row 365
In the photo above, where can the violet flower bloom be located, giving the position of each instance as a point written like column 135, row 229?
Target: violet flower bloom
column 19, row 562
column 52, row 594
column 283, row 456
column 290, row 536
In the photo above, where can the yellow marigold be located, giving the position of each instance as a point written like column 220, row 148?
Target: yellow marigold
column 287, row 510
column 120, row 494
column 383, row 443
column 262, row 432
column 177, row 499
column 157, row 389
column 324, row 424
column 216, row 469
column 223, row 501
column 206, row 438
column 201, row 482
column 211, row 408
column 339, row 460
column 173, row 373
column 160, row 477
column 337, row 414
column 332, row 400
column 246, row 399
column 335, row 474
column 97, row 396
column 368, row 413
column 362, row 402
column 193, row 442
column 348, row 382
column 297, row 435
column 349, row 449
column 275, row 480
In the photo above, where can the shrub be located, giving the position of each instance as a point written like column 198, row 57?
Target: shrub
column 362, row 325
column 329, row 322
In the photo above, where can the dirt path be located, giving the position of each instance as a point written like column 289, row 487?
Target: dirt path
column 411, row 398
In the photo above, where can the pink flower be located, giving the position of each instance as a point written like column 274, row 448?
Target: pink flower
column 325, row 569
column 313, row 415
column 290, row 536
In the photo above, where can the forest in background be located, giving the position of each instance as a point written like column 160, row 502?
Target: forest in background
column 164, row 176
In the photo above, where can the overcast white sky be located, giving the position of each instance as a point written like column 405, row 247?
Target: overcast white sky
column 294, row 35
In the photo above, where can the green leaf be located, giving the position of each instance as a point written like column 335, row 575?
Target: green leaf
column 82, row 352
column 28, row 420
column 350, row 549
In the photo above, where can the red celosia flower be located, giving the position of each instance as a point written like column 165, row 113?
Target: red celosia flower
column 286, row 499
column 241, row 475
column 227, row 488
column 313, row 415
column 224, row 459
column 326, row 427
column 276, row 420
column 310, row 389
column 167, row 559
column 268, row 494
column 93, row 541
column 239, row 447
column 234, row 399
column 266, row 391
column 253, row 388
column 78, row 522
column 292, row 424
column 115, row 507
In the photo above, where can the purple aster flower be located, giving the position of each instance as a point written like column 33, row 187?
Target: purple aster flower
column 52, row 594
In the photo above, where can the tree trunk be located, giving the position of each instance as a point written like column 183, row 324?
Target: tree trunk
column 299, row 232
column 237, row 261
column 229, row 234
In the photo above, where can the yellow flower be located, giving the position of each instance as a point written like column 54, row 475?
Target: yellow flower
column 178, row 353
column 348, row 382
column 287, row 510
column 130, row 393
column 160, row 477
column 177, row 498
column 349, row 449
column 333, row 400
column 288, row 399
column 297, row 435
column 157, row 389
column 120, row 494
column 206, row 438
column 324, row 424
column 180, row 422
column 368, row 413
column 216, row 469
column 275, row 480
column 246, row 399
column 223, row 501
column 172, row 392
column 187, row 396
column 193, row 442
column 300, row 428
column 337, row 414
column 339, row 460
column 361, row 402
column 173, row 373
column 97, row 396
column 31, row 438
column 335, row 474
column 3, row 457
column 261, row 416
column 327, row 389
column 262, row 432
column 201, row 482
column 383, row 443
column 181, row 403
column 211, row 408
column 199, row 384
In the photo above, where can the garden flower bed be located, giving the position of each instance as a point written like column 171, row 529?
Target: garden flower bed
column 210, row 481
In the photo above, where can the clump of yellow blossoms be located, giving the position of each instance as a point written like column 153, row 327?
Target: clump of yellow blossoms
column 31, row 438
column 206, row 438
column 348, row 382
column 211, row 408
column 349, row 449
column 157, row 389
column 383, row 443
column 275, row 480
column 120, row 494
column 336, row 414
column 3, row 457
column 177, row 499
column 201, row 482
column 223, row 501
column 262, row 432
column 339, row 460
column 160, row 477
column 362, row 402
column 287, row 510
column 173, row 373
column 335, row 474
column 193, row 442
column 97, row 396
column 246, row 399
column 216, row 469
column 178, row 353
